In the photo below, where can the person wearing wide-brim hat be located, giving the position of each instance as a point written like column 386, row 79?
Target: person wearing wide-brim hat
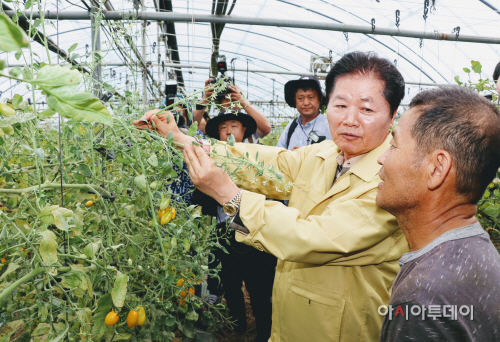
column 228, row 121
column 310, row 127
column 239, row 264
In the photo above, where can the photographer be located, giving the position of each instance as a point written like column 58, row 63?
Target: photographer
column 242, row 263
column 310, row 127
column 225, row 100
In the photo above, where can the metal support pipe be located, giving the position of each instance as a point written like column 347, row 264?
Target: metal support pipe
column 226, row 19
column 95, row 34
column 257, row 71
column 144, row 71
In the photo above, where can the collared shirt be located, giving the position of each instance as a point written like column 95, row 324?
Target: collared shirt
column 344, row 165
column 300, row 136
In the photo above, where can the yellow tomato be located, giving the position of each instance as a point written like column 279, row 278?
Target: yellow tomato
column 142, row 316
column 166, row 217
column 160, row 213
column 111, row 318
column 132, row 318
column 181, row 282
column 184, row 293
column 173, row 213
column 89, row 203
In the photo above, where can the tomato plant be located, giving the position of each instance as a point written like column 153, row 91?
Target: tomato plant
column 89, row 229
column 81, row 243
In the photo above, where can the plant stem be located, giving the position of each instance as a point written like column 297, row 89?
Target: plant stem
column 56, row 186
column 155, row 223
column 20, row 281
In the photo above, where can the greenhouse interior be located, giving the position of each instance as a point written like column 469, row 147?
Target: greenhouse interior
column 298, row 214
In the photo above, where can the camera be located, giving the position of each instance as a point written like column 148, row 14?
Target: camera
column 170, row 92
column 227, row 81
column 315, row 138
column 170, row 99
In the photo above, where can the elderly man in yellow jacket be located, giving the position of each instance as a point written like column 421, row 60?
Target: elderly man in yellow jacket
column 338, row 251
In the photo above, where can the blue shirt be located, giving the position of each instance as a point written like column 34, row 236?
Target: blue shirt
column 300, row 137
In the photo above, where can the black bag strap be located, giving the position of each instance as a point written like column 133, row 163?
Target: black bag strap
column 290, row 131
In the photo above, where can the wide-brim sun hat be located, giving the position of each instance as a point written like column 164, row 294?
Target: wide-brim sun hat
column 307, row 81
column 212, row 127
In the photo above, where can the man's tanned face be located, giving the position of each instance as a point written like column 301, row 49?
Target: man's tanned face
column 232, row 126
column 307, row 102
column 403, row 182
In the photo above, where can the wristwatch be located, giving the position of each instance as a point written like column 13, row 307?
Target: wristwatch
column 231, row 208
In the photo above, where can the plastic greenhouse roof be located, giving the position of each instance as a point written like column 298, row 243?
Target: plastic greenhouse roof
column 290, row 49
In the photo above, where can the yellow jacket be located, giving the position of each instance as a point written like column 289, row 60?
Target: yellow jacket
column 338, row 252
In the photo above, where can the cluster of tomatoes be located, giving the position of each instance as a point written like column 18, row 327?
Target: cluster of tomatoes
column 182, row 302
column 134, row 317
column 166, row 214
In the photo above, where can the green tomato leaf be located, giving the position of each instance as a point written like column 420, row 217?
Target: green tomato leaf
column 91, row 249
column 16, row 101
column 54, row 214
column 72, row 279
column 192, row 316
column 41, row 329
column 153, row 160
column 140, row 182
column 72, row 48
column 39, row 153
column 493, row 210
column 16, row 71
column 79, row 106
column 48, row 247
column 230, row 140
column 49, row 77
column 12, row 37
column 467, row 70
column 122, row 336
column 85, row 170
column 48, row 113
column 11, row 268
column 193, row 129
column 457, row 79
column 476, row 67
column 62, row 334
column 119, row 289
column 105, row 303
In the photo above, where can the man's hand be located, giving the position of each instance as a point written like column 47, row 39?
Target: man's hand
column 162, row 126
column 207, row 177
column 208, row 92
column 236, row 95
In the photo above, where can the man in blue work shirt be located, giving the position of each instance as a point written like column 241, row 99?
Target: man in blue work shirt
column 311, row 126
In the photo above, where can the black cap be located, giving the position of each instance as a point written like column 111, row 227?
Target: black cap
column 308, row 81
column 212, row 127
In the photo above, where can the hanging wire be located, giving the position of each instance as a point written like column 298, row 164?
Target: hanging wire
column 398, row 19
column 65, row 236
